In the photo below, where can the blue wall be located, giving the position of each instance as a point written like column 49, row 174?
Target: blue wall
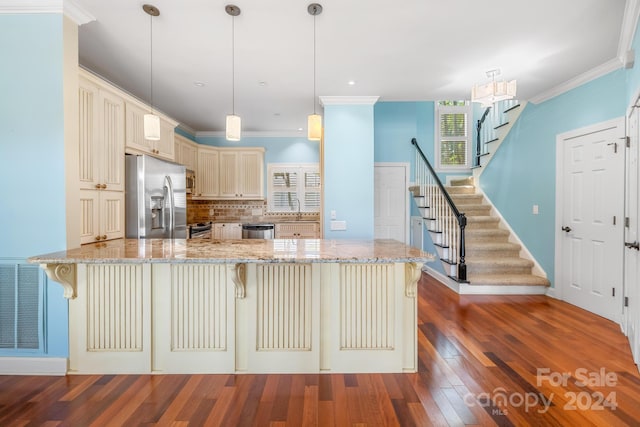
column 32, row 217
column 348, row 170
column 522, row 171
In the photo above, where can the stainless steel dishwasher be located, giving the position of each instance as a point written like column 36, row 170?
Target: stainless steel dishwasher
column 257, row 231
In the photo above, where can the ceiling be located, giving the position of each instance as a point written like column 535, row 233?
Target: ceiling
column 412, row 50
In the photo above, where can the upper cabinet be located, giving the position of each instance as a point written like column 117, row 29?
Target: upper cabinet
column 230, row 173
column 207, row 174
column 241, row 173
column 186, row 152
column 101, row 138
column 135, row 140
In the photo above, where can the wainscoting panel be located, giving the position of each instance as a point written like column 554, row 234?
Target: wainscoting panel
column 280, row 317
column 367, row 306
column 195, row 305
column 284, row 307
column 109, row 324
column 114, row 315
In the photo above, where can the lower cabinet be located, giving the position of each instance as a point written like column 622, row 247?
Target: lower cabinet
column 101, row 215
column 297, row 230
column 227, row 230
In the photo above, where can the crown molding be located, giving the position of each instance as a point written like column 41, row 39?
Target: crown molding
column 187, row 129
column 77, row 13
column 348, row 100
column 629, row 24
column 30, row 6
column 70, row 8
column 257, row 134
column 579, row 80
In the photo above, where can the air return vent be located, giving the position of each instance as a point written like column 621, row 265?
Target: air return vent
column 20, row 307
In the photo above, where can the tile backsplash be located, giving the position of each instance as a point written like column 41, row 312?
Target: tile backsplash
column 243, row 211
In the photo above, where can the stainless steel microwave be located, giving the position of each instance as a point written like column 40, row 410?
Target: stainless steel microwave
column 190, row 183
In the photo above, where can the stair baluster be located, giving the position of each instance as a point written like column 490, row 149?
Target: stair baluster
column 441, row 214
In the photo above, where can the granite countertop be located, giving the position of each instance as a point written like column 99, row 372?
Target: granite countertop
column 237, row 251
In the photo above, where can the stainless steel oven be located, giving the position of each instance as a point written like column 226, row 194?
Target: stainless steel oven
column 201, row 230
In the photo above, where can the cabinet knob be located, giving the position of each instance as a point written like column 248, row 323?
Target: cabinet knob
column 104, row 186
column 98, row 238
column 98, row 186
column 104, row 237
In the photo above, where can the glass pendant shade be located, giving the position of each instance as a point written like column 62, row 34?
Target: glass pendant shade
column 314, row 127
column 151, row 127
column 234, row 126
column 492, row 92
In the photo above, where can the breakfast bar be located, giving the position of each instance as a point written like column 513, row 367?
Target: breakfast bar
column 240, row 306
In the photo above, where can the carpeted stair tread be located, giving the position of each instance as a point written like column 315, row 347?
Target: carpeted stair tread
column 499, row 262
column 507, row 280
column 492, row 246
column 461, row 189
column 486, row 235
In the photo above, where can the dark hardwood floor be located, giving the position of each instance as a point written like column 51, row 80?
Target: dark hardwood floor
column 484, row 360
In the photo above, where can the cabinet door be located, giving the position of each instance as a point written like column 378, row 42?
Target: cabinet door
column 111, row 155
column 207, row 177
column 250, row 174
column 228, row 174
column 111, row 214
column 88, row 169
column 293, row 230
column 177, row 149
column 89, row 216
column 135, row 129
column 165, row 147
column 189, row 156
column 229, row 230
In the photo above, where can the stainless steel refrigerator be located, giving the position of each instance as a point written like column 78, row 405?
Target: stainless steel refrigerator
column 155, row 198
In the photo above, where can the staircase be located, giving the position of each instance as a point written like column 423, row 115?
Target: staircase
column 493, row 257
column 479, row 253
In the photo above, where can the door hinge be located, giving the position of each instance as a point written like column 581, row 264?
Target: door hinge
column 626, row 301
column 614, row 220
column 615, row 146
column 626, row 222
column 627, row 141
column 613, row 292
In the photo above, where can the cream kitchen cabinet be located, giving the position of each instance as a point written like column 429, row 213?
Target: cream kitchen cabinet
column 241, row 173
column 297, row 230
column 207, row 176
column 102, row 215
column 100, row 137
column 186, row 152
column 227, row 230
column 135, row 141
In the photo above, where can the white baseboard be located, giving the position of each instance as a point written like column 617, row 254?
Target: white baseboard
column 33, row 365
column 449, row 283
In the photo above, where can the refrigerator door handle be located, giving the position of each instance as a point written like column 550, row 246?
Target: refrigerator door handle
column 172, row 205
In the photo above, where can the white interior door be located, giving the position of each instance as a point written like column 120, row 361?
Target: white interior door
column 631, row 255
column 391, row 192
column 592, row 220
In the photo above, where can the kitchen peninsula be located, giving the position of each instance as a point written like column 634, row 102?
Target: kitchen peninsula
column 254, row 306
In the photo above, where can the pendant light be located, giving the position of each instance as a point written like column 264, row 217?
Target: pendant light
column 494, row 91
column 234, row 124
column 314, row 121
column 151, row 121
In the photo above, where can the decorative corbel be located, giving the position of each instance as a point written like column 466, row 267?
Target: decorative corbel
column 65, row 274
column 238, row 273
column 412, row 273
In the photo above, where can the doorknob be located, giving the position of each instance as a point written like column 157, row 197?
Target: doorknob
column 567, row 229
column 633, row 245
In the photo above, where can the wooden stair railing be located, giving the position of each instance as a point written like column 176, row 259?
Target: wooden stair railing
column 441, row 215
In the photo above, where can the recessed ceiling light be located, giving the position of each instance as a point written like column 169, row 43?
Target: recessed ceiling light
column 199, row 84
column 276, row 114
column 351, row 82
column 262, row 83
column 300, row 129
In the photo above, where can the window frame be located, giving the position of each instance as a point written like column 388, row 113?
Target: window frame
column 300, row 190
column 447, row 109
